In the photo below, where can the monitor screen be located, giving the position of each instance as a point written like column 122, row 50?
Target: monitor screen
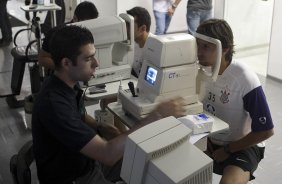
column 151, row 75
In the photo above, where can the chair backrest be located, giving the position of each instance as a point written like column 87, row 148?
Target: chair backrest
column 20, row 164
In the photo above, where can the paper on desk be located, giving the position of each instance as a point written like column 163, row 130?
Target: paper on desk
column 194, row 138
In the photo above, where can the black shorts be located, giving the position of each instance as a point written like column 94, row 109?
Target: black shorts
column 247, row 160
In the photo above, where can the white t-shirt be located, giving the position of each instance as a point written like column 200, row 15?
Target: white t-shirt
column 238, row 99
column 161, row 5
column 138, row 57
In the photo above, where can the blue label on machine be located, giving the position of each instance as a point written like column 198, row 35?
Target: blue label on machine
column 202, row 117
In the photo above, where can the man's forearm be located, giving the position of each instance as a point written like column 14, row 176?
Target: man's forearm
column 91, row 122
column 251, row 139
column 176, row 2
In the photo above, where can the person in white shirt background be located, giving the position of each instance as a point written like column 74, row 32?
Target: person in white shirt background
column 142, row 24
column 163, row 12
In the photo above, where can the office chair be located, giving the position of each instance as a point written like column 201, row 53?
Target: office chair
column 20, row 164
column 23, row 55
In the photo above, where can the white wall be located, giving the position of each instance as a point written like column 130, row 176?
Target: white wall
column 250, row 21
column 218, row 6
column 275, row 52
column 178, row 22
column 113, row 7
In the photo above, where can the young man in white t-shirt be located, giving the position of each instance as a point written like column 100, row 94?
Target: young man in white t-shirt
column 237, row 98
column 142, row 24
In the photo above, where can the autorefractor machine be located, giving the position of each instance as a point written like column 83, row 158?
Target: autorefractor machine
column 114, row 43
column 169, row 69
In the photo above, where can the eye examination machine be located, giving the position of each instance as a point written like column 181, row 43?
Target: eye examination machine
column 157, row 154
column 169, row 69
column 114, row 43
column 161, row 152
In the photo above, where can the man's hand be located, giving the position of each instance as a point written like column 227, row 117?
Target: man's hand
column 173, row 107
column 220, row 155
column 170, row 11
column 210, row 149
column 108, row 131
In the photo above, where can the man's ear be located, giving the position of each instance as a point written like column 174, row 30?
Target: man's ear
column 66, row 62
column 143, row 28
column 224, row 51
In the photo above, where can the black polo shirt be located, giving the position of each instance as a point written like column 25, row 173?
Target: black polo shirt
column 59, row 133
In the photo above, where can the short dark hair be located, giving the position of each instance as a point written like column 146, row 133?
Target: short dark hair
column 85, row 11
column 141, row 16
column 219, row 29
column 67, row 41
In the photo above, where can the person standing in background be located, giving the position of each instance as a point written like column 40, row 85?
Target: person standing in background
column 163, row 11
column 142, row 24
column 197, row 12
column 5, row 25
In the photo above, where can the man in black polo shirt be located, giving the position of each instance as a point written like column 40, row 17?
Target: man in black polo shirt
column 66, row 143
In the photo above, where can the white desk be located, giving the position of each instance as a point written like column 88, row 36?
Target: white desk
column 48, row 7
column 130, row 121
column 111, row 89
